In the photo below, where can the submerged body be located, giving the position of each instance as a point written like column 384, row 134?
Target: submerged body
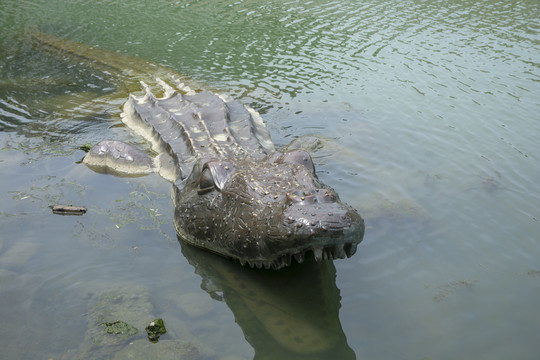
column 234, row 194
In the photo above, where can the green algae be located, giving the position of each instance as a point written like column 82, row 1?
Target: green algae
column 155, row 330
column 18, row 254
column 120, row 328
column 164, row 350
column 116, row 318
column 49, row 191
column 141, row 203
column 113, row 320
column 86, row 147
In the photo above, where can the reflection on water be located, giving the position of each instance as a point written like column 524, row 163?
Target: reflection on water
column 429, row 113
column 287, row 314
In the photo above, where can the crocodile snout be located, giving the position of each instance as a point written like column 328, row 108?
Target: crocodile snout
column 317, row 196
column 321, row 223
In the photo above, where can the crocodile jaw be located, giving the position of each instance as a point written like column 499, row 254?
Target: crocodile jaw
column 265, row 214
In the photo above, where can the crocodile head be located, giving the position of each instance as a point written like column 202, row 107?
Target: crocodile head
column 265, row 212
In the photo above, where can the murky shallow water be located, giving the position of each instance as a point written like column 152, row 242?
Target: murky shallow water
column 430, row 113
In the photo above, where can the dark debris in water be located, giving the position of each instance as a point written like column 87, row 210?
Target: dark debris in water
column 86, row 147
column 533, row 273
column 155, row 330
column 68, row 210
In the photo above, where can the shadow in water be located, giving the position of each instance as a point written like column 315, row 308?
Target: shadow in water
column 292, row 313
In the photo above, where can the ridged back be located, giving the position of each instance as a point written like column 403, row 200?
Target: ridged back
column 195, row 126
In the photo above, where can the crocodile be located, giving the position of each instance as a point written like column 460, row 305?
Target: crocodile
column 234, row 194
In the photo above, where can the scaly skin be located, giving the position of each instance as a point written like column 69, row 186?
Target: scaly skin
column 233, row 193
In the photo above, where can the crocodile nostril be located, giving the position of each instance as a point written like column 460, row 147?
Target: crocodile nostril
column 312, row 197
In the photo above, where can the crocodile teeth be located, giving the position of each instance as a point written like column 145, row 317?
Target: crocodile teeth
column 276, row 264
column 286, row 260
column 350, row 249
column 340, row 252
column 318, row 253
column 326, row 255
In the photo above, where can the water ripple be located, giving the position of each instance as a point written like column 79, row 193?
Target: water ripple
column 301, row 47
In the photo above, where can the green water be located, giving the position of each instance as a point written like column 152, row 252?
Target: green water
column 430, row 113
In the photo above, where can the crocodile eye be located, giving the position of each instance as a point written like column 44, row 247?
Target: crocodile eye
column 206, row 182
column 214, row 176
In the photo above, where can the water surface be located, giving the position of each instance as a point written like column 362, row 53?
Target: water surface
column 430, row 115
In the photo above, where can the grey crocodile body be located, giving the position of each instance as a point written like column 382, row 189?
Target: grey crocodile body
column 234, row 194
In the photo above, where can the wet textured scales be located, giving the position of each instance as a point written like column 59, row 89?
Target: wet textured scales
column 234, row 194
